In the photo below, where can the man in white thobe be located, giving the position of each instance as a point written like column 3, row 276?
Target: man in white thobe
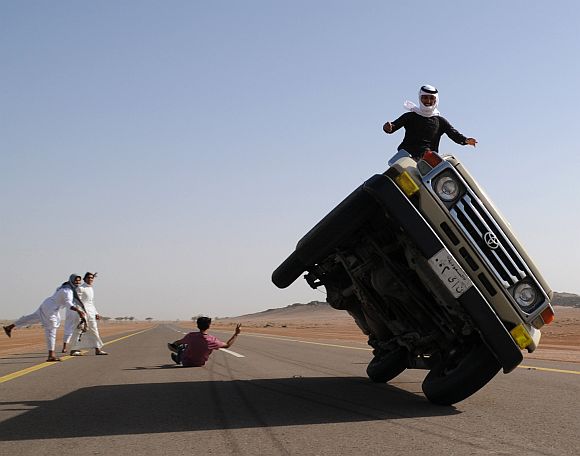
column 89, row 338
column 48, row 314
column 71, row 321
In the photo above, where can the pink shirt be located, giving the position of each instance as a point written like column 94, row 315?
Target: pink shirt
column 199, row 347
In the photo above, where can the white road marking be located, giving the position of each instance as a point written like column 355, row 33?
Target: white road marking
column 237, row 355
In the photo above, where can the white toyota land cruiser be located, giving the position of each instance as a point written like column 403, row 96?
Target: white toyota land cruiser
column 431, row 272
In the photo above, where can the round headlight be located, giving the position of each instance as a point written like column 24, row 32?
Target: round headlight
column 526, row 295
column 447, row 188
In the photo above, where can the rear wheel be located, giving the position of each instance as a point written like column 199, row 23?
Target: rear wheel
column 387, row 365
column 455, row 381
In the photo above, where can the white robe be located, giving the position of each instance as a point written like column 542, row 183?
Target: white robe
column 49, row 314
column 71, row 321
column 90, row 338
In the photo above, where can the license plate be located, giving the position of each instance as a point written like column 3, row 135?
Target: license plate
column 450, row 273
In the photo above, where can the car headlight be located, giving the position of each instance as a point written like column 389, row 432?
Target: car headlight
column 526, row 295
column 447, row 188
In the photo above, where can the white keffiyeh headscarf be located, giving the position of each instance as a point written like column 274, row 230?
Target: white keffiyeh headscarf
column 425, row 111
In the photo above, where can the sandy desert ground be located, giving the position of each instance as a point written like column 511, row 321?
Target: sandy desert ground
column 29, row 340
column 560, row 340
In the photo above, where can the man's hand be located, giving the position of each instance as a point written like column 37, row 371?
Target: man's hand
column 79, row 312
column 388, row 127
column 233, row 338
column 471, row 141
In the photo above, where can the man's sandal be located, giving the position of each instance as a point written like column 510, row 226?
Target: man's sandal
column 53, row 359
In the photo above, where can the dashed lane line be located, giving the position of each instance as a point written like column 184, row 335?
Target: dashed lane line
column 233, row 353
column 28, row 370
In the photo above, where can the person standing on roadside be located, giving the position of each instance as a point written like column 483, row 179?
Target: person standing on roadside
column 71, row 321
column 48, row 314
column 194, row 349
column 88, row 337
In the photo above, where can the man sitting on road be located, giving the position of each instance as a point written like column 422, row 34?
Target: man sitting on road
column 194, row 349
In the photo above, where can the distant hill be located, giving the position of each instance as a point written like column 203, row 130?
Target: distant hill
column 312, row 311
column 318, row 310
column 292, row 309
column 566, row 299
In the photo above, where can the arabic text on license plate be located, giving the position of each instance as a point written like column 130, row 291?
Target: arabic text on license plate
column 451, row 274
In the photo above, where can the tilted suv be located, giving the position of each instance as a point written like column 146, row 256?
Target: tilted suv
column 423, row 261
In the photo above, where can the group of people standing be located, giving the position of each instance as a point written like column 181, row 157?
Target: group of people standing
column 76, row 297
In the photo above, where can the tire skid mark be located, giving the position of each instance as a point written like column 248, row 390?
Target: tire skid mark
column 256, row 414
column 221, row 414
column 369, row 412
column 302, row 364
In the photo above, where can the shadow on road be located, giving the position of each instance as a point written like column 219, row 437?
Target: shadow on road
column 190, row 406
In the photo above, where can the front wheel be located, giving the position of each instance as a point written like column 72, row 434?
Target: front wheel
column 450, row 383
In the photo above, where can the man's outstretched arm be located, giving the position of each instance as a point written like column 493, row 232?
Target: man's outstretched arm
column 232, row 339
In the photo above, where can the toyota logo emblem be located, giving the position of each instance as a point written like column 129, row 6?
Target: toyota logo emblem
column 491, row 240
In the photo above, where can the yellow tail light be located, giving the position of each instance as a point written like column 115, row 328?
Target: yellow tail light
column 406, row 183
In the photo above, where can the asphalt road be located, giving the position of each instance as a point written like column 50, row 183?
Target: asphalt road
column 272, row 396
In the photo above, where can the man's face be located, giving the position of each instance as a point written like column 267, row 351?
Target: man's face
column 90, row 279
column 428, row 100
column 77, row 281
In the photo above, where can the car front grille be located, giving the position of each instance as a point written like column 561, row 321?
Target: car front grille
column 488, row 239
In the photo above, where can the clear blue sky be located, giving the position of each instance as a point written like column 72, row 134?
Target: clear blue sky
column 182, row 148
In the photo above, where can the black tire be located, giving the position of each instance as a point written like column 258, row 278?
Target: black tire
column 326, row 236
column 288, row 271
column 445, row 385
column 386, row 366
